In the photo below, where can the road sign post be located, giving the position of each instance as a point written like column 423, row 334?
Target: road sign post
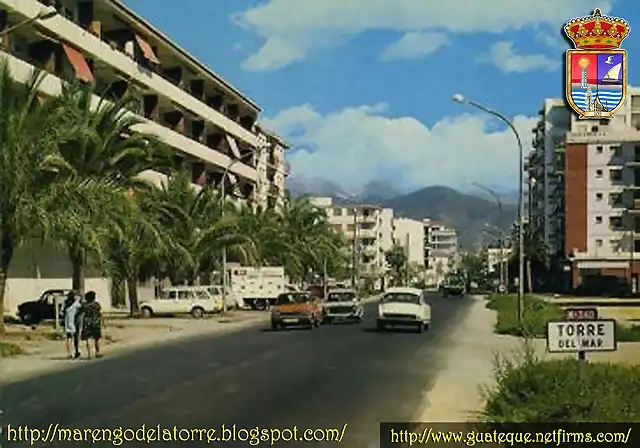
column 582, row 314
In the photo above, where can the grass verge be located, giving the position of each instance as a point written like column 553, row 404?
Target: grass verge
column 535, row 315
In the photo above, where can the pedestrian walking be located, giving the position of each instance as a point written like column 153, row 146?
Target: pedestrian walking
column 72, row 307
column 92, row 324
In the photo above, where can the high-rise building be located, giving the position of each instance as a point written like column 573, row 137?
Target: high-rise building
column 409, row 234
column 441, row 254
column 586, row 197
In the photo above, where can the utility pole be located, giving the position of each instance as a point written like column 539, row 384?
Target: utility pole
column 324, row 277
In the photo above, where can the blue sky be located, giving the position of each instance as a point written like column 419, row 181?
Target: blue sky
column 362, row 88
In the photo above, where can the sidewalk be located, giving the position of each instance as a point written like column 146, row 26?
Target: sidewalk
column 45, row 353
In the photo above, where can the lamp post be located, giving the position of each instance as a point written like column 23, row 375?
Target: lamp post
column 461, row 99
column 222, row 190
column 503, row 259
column 46, row 13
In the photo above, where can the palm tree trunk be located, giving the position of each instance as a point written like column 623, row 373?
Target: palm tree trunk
column 529, row 279
column 78, row 262
column 132, row 291
column 118, row 293
column 6, row 254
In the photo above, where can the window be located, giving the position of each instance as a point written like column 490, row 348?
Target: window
column 598, row 243
column 598, row 219
column 615, row 199
column 604, row 122
column 616, row 150
column 350, row 227
column 615, row 175
column 598, row 173
column 337, row 212
column 598, row 196
column 598, row 149
column 615, row 222
column 350, row 212
column 594, row 128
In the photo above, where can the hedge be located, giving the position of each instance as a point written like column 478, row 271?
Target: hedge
column 536, row 313
column 563, row 391
column 8, row 349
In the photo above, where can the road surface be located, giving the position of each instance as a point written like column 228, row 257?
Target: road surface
column 321, row 378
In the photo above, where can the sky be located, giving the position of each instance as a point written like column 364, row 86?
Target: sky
column 362, row 89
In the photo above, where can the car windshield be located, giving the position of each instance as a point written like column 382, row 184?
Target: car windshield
column 341, row 297
column 285, row 299
column 400, row 297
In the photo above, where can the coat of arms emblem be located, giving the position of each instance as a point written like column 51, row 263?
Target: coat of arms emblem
column 596, row 79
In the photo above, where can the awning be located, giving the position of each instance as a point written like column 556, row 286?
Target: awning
column 79, row 63
column 233, row 145
column 147, row 51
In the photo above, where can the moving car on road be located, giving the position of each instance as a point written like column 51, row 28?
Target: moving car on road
column 296, row 308
column 35, row 311
column 343, row 304
column 404, row 307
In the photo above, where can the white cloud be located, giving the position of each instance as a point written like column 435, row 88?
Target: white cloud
column 293, row 28
column 555, row 42
column 504, row 57
column 354, row 146
column 414, row 45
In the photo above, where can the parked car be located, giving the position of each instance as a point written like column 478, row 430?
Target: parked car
column 35, row 311
column 343, row 304
column 404, row 307
column 195, row 300
column 296, row 308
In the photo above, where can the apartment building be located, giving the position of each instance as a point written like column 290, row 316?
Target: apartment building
column 441, row 254
column 409, row 234
column 211, row 125
column 368, row 229
column 592, row 216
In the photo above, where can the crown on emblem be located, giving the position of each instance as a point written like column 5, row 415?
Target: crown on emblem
column 597, row 32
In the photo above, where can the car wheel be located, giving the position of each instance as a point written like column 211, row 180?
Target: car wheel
column 425, row 326
column 317, row 322
column 275, row 326
column 328, row 320
column 146, row 312
column 419, row 328
column 380, row 326
column 26, row 318
column 197, row 313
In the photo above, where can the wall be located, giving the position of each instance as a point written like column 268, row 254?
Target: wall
column 409, row 234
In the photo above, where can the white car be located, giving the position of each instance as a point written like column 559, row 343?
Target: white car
column 404, row 307
column 195, row 300
column 342, row 304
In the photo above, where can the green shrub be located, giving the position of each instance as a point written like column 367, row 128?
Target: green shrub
column 563, row 391
column 535, row 315
column 8, row 349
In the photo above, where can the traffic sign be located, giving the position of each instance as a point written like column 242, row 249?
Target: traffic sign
column 581, row 336
column 581, row 314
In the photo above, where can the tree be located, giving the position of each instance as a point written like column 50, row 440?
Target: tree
column 37, row 199
column 475, row 267
column 104, row 147
column 536, row 255
column 396, row 258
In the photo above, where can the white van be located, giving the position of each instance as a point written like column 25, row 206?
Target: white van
column 195, row 300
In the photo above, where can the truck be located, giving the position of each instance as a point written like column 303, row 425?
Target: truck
column 257, row 288
column 455, row 284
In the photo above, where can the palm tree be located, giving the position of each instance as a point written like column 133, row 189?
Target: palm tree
column 198, row 238
column 264, row 228
column 536, row 254
column 37, row 199
column 105, row 148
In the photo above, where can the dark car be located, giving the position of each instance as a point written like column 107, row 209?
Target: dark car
column 35, row 311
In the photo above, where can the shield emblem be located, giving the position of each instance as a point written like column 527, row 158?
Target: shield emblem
column 596, row 82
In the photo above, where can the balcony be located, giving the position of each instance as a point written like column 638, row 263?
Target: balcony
column 91, row 41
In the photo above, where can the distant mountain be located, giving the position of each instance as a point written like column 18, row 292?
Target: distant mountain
column 466, row 213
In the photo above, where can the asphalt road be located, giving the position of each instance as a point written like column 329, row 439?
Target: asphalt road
column 322, row 378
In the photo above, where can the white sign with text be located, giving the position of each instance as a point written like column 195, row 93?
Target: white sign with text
column 581, row 336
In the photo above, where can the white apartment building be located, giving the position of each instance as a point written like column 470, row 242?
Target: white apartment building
column 441, row 254
column 211, row 125
column 369, row 232
column 495, row 257
column 590, row 215
column 409, row 234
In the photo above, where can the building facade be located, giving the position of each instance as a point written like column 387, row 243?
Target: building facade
column 591, row 217
column 441, row 251
column 409, row 234
column 211, row 126
column 369, row 233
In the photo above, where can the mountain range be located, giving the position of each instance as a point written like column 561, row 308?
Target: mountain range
column 470, row 213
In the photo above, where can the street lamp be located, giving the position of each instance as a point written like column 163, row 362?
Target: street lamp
column 458, row 98
column 46, row 13
column 222, row 190
column 502, row 238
